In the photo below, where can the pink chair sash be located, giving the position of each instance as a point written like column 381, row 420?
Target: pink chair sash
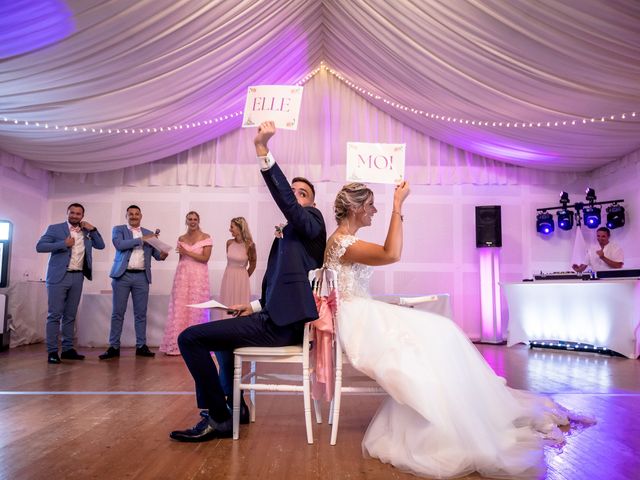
column 322, row 355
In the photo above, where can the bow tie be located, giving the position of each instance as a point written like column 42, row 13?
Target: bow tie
column 136, row 229
column 75, row 229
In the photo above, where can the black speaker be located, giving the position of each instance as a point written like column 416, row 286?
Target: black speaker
column 488, row 226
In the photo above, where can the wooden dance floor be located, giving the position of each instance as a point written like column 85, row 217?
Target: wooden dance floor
column 95, row 420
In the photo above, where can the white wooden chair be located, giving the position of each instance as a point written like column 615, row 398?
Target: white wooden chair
column 296, row 354
column 356, row 383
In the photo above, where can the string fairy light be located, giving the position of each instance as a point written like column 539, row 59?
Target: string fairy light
column 477, row 122
column 361, row 90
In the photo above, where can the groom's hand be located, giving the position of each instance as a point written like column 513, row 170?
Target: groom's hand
column 266, row 130
column 240, row 310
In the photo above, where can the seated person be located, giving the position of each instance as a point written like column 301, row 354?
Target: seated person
column 604, row 256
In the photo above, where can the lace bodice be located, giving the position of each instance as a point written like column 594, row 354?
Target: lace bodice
column 353, row 278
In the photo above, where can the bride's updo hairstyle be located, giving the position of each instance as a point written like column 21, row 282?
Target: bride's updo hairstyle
column 351, row 197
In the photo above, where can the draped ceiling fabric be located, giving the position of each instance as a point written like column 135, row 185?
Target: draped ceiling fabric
column 145, row 64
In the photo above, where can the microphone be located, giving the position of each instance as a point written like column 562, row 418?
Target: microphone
column 157, row 231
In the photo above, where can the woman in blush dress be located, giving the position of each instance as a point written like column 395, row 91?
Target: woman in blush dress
column 235, row 290
column 241, row 263
column 190, row 284
column 448, row 414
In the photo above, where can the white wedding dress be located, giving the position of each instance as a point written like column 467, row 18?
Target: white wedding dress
column 448, row 414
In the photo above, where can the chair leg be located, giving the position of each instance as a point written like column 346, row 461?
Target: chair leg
column 317, row 409
column 306, row 393
column 335, row 411
column 237, row 373
column 330, row 421
column 252, row 394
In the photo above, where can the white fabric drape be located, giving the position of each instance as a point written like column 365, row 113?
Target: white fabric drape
column 331, row 115
column 144, row 64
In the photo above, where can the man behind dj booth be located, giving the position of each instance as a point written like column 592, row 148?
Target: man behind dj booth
column 606, row 255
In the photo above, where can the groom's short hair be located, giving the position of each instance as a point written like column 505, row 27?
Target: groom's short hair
column 304, row 180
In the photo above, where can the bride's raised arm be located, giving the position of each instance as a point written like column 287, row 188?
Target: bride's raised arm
column 373, row 254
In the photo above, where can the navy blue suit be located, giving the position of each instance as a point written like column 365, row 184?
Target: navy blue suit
column 125, row 282
column 64, row 287
column 286, row 299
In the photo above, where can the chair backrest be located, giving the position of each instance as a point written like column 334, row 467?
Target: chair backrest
column 323, row 281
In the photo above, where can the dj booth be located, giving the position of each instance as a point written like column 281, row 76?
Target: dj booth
column 585, row 309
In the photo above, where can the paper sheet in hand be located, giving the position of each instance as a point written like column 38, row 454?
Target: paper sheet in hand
column 409, row 301
column 375, row 162
column 158, row 244
column 280, row 103
column 209, row 304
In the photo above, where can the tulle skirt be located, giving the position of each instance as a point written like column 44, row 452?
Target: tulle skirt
column 448, row 414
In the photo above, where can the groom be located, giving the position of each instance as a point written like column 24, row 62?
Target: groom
column 278, row 318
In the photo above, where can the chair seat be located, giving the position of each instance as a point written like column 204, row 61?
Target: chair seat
column 269, row 351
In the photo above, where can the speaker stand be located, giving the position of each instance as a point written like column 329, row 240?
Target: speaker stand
column 490, row 295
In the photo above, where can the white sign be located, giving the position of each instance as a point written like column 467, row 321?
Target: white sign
column 375, row 162
column 279, row 103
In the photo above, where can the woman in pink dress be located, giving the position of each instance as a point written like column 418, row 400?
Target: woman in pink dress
column 234, row 290
column 190, row 284
column 241, row 262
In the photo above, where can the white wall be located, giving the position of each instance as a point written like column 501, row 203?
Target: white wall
column 439, row 253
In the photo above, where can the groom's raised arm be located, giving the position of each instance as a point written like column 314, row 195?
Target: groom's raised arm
column 306, row 220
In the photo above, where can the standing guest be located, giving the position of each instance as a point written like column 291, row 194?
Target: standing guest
column 190, row 284
column 278, row 318
column 241, row 263
column 69, row 244
column 131, row 274
column 606, row 255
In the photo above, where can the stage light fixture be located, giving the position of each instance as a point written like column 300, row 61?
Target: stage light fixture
column 544, row 223
column 591, row 216
column 564, row 199
column 615, row 216
column 565, row 219
column 590, row 195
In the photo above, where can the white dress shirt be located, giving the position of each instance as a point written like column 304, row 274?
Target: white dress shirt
column 77, row 250
column 136, row 260
column 611, row 250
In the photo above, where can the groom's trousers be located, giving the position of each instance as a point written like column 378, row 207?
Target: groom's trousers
column 223, row 336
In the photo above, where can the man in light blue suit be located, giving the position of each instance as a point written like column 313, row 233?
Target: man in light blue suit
column 131, row 275
column 69, row 245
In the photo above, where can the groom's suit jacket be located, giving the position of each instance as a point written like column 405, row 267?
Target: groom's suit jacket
column 124, row 242
column 52, row 241
column 286, row 293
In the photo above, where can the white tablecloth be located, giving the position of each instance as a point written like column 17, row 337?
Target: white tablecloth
column 27, row 305
column 604, row 313
column 94, row 321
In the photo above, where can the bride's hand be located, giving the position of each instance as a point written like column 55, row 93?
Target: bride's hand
column 401, row 193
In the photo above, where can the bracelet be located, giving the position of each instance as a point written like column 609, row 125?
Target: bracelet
column 398, row 213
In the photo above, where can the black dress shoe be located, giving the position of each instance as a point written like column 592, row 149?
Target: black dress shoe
column 110, row 353
column 144, row 351
column 205, row 430
column 52, row 357
column 71, row 354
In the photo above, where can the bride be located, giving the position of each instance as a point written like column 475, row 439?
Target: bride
column 448, row 414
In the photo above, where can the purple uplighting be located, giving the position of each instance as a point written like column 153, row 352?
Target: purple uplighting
column 27, row 25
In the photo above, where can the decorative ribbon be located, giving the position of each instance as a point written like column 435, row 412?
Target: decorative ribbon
column 322, row 355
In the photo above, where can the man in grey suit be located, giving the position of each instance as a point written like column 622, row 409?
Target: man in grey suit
column 69, row 245
column 131, row 275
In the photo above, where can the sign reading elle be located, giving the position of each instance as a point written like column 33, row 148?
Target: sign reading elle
column 280, row 103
